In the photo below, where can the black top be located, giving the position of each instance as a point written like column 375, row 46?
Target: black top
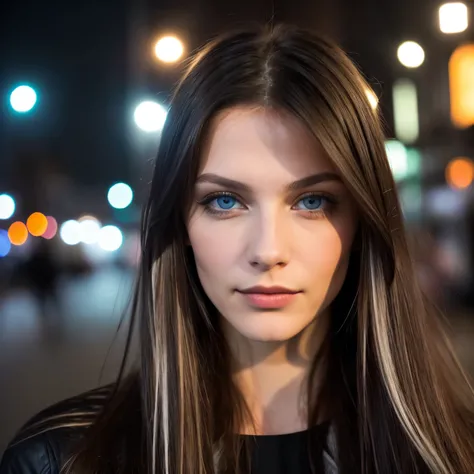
column 281, row 454
column 286, row 453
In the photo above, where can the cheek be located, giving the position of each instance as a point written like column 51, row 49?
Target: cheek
column 322, row 250
column 215, row 252
column 326, row 258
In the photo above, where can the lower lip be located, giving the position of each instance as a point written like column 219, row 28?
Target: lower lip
column 269, row 301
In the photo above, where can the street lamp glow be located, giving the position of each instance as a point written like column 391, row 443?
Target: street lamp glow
column 461, row 85
column 120, row 196
column 460, row 173
column 70, row 232
column 23, row 99
column 90, row 229
column 453, row 17
column 150, row 116
column 18, row 233
column 169, row 49
column 411, row 54
column 110, row 238
column 7, row 206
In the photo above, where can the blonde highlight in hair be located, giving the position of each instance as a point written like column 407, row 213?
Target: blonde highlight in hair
column 406, row 376
column 174, row 340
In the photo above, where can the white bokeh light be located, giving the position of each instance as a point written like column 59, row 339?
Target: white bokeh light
column 23, row 99
column 453, row 17
column 7, row 206
column 411, row 54
column 150, row 116
column 120, row 196
column 397, row 158
column 90, row 230
column 110, row 238
column 169, row 49
column 70, row 232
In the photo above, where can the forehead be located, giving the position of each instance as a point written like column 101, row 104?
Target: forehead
column 254, row 140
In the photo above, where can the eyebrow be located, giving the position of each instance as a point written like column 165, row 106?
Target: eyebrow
column 241, row 187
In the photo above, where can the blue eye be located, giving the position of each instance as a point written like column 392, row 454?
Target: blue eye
column 221, row 204
column 311, row 203
column 225, row 202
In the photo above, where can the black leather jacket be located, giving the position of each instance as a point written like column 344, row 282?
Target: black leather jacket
column 45, row 442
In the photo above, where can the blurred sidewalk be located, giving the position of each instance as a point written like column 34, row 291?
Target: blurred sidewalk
column 42, row 362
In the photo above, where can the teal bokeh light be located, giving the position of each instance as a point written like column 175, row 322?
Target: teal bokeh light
column 23, row 99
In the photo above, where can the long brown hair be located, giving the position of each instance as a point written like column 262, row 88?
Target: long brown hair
column 399, row 400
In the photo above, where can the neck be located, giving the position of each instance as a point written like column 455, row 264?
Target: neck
column 273, row 377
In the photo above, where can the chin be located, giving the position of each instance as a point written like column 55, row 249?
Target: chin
column 269, row 327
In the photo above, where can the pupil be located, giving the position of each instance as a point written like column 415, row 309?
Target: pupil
column 226, row 202
column 312, row 202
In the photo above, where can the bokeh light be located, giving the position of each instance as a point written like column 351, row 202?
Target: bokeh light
column 150, row 116
column 52, row 228
column 397, row 156
column 169, row 49
column 90, row 230
column 460, row 173
column 37, row 224
column 7, row 206
column 411, row 54
column 110, row 238
column 5, row 244
column 87, row 217
column 120, row 196
column 70, row 232
column 461, row 85
column 405, row 110
column 23, row 99
column 453, row 17
column 18, row 233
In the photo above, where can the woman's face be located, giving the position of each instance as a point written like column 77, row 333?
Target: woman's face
column 271, row 226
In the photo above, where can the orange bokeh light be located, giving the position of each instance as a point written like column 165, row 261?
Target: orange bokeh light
column 18, row 233
column 460, row 173
column 37, row 224
column 461, row 85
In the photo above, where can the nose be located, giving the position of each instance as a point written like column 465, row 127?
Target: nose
column 269, row 241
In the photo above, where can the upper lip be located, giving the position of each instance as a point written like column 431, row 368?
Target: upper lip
column 269, row 290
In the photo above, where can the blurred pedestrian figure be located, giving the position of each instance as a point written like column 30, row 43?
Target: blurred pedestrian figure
column 41, row 273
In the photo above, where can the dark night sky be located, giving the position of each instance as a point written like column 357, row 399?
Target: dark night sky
column 91, row 62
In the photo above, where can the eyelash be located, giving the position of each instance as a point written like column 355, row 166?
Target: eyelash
column 328, row 203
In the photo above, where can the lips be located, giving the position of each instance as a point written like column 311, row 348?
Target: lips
column 269, row 290
column 275, row 297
